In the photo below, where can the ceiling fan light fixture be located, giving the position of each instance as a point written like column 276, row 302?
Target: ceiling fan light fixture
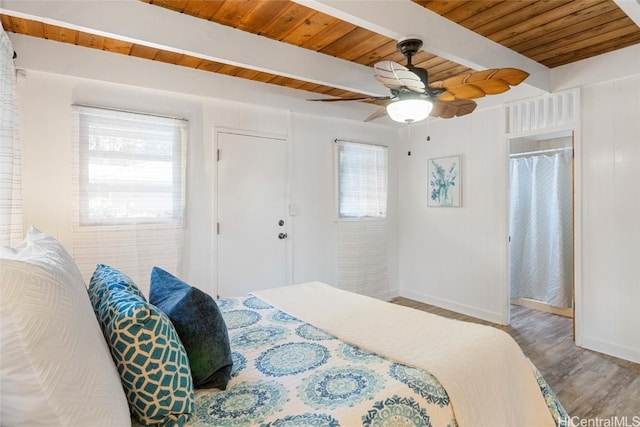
column 409, row 110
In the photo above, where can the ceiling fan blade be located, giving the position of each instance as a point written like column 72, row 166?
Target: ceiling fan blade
column 447, row 110
column 474, row 90
column 381, row 112
column 461, row 92
column 479, row 83
column 396, row 76
column 512, row 76
column 358, row 98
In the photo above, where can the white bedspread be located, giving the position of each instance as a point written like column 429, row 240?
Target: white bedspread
column 489, row 380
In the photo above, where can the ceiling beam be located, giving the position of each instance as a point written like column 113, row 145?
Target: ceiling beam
column 148, row 25
column 69, row 61
column 402, row 18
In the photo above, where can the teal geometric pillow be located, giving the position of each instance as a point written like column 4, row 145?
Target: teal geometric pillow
column 109, row 279
column 152, row 362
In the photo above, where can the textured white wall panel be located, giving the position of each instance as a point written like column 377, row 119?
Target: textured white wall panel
column 456, row 257
column 45, row 102
column 611, row 229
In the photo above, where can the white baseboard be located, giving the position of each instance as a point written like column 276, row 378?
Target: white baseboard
column 489, row 316
column 621, row 352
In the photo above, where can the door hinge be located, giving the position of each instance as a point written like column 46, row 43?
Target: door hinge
column 218, row 155
column 217, row 228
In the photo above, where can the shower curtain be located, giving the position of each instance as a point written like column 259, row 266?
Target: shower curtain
column 541, row 228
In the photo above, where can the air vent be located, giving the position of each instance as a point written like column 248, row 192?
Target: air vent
column 548, row 112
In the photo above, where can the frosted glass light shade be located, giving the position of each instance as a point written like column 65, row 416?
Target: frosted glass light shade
column 409, row 110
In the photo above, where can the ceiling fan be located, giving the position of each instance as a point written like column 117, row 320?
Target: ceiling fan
column 413, row 98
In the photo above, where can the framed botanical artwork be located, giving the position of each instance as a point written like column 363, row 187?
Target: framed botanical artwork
column 444, row 181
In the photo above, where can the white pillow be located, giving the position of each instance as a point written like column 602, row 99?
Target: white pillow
column 55, row 366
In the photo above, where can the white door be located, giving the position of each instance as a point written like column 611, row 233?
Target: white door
column 252, row 221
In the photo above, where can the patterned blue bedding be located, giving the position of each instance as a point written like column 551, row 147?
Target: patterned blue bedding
column 289, row 373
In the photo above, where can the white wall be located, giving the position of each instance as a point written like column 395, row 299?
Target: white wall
column 452, row 257
column 456, row 257
column 313, row 191
column 611, row 217
column 45, row 102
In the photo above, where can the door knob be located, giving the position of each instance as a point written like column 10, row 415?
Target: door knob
column 282, row 236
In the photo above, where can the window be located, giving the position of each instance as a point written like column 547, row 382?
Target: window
column 362, row 180
column 131, row 167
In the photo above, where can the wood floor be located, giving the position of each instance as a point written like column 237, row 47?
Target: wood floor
column 588, row 384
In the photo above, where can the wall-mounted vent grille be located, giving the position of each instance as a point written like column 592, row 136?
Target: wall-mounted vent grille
column 548, row 112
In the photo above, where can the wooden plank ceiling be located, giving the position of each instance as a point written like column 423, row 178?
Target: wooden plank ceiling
column 551, row 32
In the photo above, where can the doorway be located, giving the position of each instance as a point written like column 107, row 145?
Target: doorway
column 252, row 225
column 541, row 223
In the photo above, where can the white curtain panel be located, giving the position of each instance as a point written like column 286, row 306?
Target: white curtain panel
column 362, row 258
column 541, row 229
column 129, row 192
column 10, row 176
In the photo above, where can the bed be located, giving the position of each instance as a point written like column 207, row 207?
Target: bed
column 302, row 355
column 287, row 372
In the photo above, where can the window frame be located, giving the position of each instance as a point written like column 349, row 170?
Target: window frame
column 177, row 160
column 337, row 179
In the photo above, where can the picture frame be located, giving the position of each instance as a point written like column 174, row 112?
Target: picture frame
column 444, row 181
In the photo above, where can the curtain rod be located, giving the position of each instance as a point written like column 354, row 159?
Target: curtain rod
column 549, row 150
column 120, row 110
column 336, row 140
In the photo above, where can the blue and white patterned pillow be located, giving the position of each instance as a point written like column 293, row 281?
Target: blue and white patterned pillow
column 106, row 279
column 152, row 362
